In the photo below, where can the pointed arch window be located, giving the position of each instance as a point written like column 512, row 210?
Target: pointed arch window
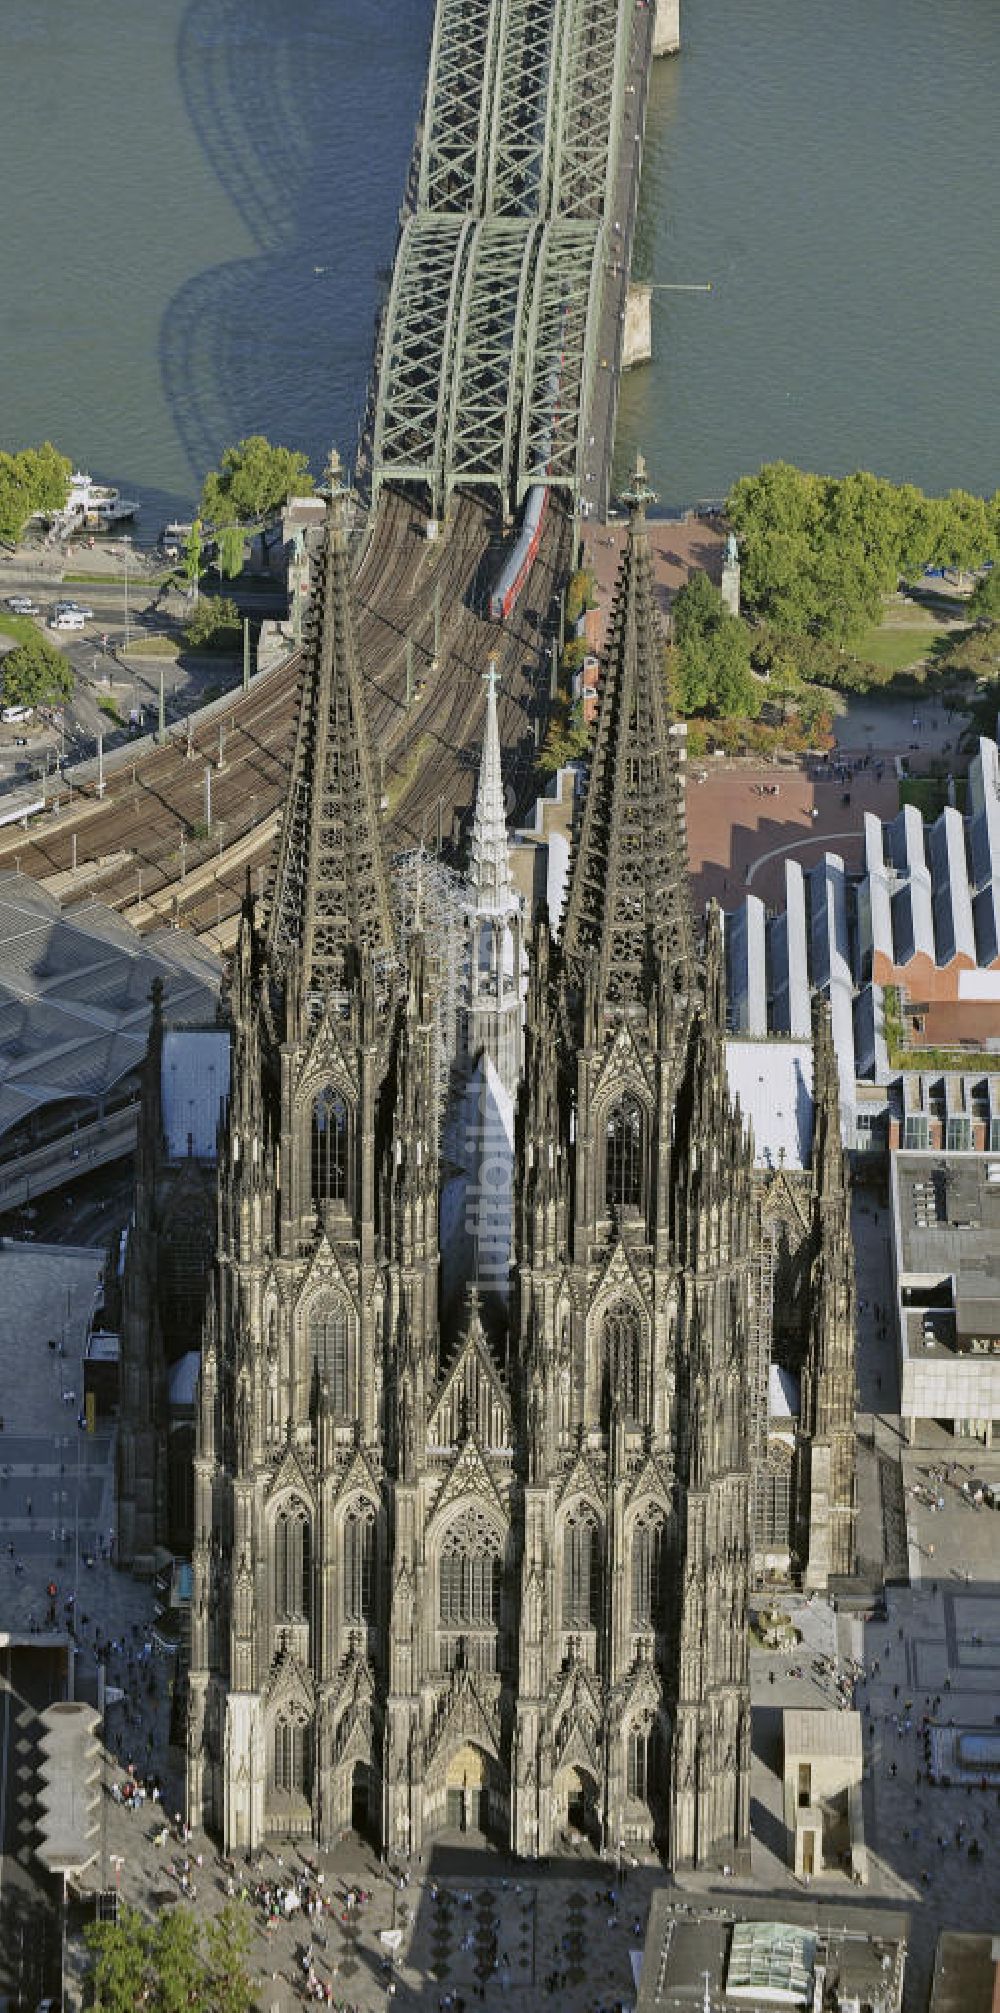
column 581, row 1601
column 623, row 1365
column 470, row 1573
column 292, row 1755
column 639, row 1762
column 292, row 1564
column 359, row 1563
column 648, row 1570
column 625, row 1154
column 331, row 1140
column 331, row 1354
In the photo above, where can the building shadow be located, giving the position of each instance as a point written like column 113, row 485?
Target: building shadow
column 306, row 116
column 31, row 1678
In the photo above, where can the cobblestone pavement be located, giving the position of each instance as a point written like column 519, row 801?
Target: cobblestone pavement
column 566, row 1932
column 56, row 1481
column 468, row 1922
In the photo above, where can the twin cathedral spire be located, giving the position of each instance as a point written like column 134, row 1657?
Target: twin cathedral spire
column 331, row 909
column 441, row 1584
column 628, row 909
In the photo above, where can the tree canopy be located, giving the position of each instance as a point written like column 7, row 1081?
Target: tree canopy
column 711, row 668
column 191, row 562
column 579, row 595
column 984, row 601
column 253, row 479
column 176, row 1964
column 36, row 479
column 231, row 544
column 35, row 673
column 818, row 553
column 213, row 624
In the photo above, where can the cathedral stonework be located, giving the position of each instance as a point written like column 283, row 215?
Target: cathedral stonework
column 490, row 1573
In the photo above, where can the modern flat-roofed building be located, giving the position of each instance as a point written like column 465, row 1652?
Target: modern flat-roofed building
column 946, row 1265
column 966, row 1974
column 770, row 1952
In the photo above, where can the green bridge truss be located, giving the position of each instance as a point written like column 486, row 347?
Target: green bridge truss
column 490, row 331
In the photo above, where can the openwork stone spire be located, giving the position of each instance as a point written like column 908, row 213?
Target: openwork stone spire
column 829, row 1164
column 489, row 864
column 825, row 1472
column 628, row 901
column 331, row 906
column 493, row 918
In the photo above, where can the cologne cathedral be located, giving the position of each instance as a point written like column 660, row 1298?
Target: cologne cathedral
column 491, row 1573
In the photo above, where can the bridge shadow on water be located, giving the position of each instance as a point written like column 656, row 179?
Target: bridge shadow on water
column 307, row 117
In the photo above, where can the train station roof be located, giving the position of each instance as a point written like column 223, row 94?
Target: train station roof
column 74, row 996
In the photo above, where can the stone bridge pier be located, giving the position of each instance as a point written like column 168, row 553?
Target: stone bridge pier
column 667, row 28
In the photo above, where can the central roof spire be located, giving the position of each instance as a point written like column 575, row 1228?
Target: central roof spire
column 331, row 904
column 628, row 903
column 489, row 864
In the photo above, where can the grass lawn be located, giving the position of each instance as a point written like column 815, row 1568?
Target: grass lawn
column 899, row 648
column 18, row 626
column 142, row 644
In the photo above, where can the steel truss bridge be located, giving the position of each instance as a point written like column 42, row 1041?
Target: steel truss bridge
column 490, row 336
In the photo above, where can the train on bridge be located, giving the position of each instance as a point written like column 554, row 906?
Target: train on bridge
column 518, row 565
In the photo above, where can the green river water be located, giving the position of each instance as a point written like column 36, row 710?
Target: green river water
column 200, row 201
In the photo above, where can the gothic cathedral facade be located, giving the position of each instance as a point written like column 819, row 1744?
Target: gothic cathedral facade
column 470, row 1574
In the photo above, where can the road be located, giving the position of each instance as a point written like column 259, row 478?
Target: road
column 67, row 1158
column 114, row 671
column 595, row 488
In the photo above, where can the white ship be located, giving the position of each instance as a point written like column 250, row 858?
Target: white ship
column 97, row 503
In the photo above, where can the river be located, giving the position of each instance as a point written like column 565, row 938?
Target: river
column 200, row 202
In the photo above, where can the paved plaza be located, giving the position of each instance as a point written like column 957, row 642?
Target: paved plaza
column 56, row 1480
column 468, row 1927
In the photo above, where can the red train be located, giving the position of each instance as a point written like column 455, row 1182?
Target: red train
column 516, row 568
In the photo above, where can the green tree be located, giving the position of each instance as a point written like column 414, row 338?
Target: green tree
column 174, row 1952
column 966, row 536
column 697, row 608
column 784, row 686
column 567, row 736
column 735, row 691
column 692, row 678
column 176, row 1964
column 574, row 655
column 712, row 672
column 228, row 1952
column 253, row 479
column 191, row 562
column 776, row 516
column 36, row 479
column 984, row 601
column 35, row 673
column 579, row 595
column 213, row 624
column 819, row 553
column 231, row 543
column 121, row 1959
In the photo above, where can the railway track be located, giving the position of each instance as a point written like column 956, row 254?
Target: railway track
column 144, row 848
